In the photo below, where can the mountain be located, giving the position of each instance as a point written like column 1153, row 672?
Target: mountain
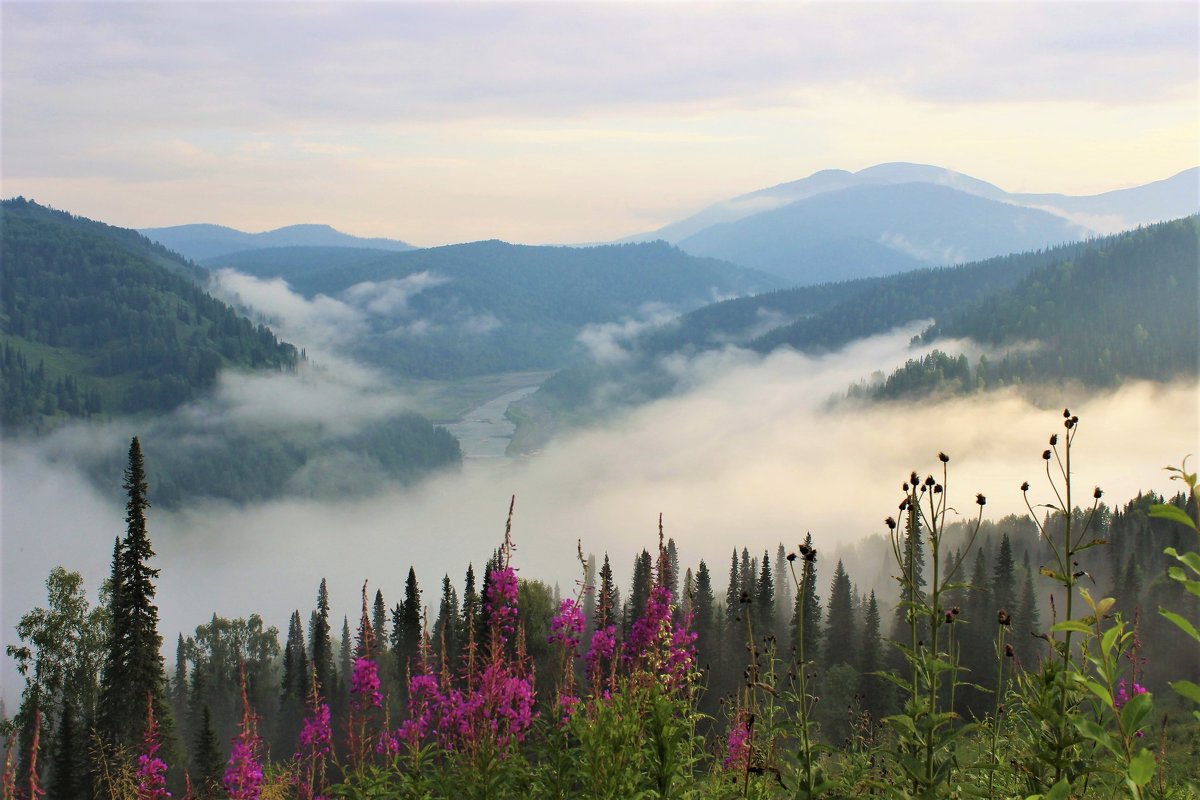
column 488, row 307
column 1095, row 311
column 98, row 320
column 878, row 229
column 202, row 241
column 847, row 250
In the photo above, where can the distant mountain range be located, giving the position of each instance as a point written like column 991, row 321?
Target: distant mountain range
column 837, row 225
column 202, row 241
column 486, row 307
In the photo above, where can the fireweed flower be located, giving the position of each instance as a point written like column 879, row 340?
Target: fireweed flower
column 424, row 701
column 567, row 625
column 151, row 770
column 364, row 683
column 1121, row 697
column 244, row 772
column 737, row 745
column 502, row 601
column 316, row 735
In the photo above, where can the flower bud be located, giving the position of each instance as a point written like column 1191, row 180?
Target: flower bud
column 1045, row 455
column 980, row 500
column 1025, row 486
column 1097, row 494
column 1053, row 439
column 943, row 458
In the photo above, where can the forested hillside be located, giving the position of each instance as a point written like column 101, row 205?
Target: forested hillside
column 1125, row 307
column 488, row 307
column 94, row 321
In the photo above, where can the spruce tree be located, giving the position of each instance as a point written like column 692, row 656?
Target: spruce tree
column 606, row 596
column 873, row 688
column 840, row 634
column 704, row 609
column 345, row 655
column 320, row 643
column 1026, row 622
column 639, row 590
column 67, row 776
column 784, row 591
column 671, row 579
column 292, row 686
column 208, row 764
column 411, row 624
column 470, row 601
column 763, row 606
column 379, row 622
column 1004, row 577
column 134, row 666
column 808, row 605
column 445, row 627
column 733, row 594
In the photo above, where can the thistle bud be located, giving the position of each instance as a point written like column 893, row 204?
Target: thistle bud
column 1097, row 494
column 1053, row 439
column 1025, row 486
column 891, row 523
column 929, row 480
column 980, row 500
column 913, row 479
column 791, row 556
column 1045, row 455
column 1008, row 651
column 949, row 617
column 937, row 488
column 1003, row 618
column 1066, row 413
column 943, row 458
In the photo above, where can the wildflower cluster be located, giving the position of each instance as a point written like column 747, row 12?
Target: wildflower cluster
column 151, row 770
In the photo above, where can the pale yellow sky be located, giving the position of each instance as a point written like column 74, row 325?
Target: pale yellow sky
column 571, row 123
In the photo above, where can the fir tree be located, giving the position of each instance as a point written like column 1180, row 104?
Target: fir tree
column 639, row 590
column 208, row 764
column 470, row 601
column 1004, row 577
column 763, row 607
column 1026, row 623
column 808, row 606
column 67, row 776
column 411, row 622
column 445, row 627
column 704, row 609
column 135, row 668
column 784, row 595
column 840, row 638
column 379, row 622
column 292, row 687
column 320, row 643
column 606, row 596
column 345, row 655
column 873, row 688
column 671, row 579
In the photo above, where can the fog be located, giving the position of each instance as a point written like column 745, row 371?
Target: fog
column 751, row 453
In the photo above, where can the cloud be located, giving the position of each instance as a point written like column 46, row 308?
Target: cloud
column 320, row 322
column 390, row 297
column 750, row 455
column 606, row 342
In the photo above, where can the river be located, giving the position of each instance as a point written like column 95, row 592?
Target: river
column 484, row 432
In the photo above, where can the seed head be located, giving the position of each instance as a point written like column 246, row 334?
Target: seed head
column 1053, row 439
column 1003, row 618
column 913, row 479
column 1025, row 486
column 1097, row 494
column 929, row 480
column 1066, row 413
column 943, row 458
column 980, row 500
column 937, row 488
column 1008, row 651
column 791, row 556
column 891, row 523
column 1045, row 455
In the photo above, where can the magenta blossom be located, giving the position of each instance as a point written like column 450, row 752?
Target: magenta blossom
column 567, row 625
column 243, row 773
column 151, row 770
column 1121, row 697
column 737, row 745
column 502, row 600
column 364, row 683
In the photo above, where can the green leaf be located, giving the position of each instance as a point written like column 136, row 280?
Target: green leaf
column 1070, row 625
column 1060, row 791
column 1188, row 689
column 1192, row 559
column 1142, row 767
column 1110, row 638
column 1134, row 713
column 1182, row 623
column 1174, row 513
column 1101, row 691
column 1097, row 734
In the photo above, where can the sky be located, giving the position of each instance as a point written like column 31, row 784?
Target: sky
column 570, row 122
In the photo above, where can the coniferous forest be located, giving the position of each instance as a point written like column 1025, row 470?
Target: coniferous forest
column 1051, row 655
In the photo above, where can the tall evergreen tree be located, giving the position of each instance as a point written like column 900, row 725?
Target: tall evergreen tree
column 135, row 668
column 320, row 643
column 639, row 590
column 671, row 579
column 379, row 622
column 763, row 606
column 208, row 764
column 1027, row 622
column 873, row 687
column 733, row 593
column 293, row 685
column 784, row 591
column 808, row 606
column 470, row 602
column 345, row 655
column 704, row 609
column 446, row 626
column 411, row 623
column 606, row 596
column 67, row 781
column 840, row 634
column 588, row 597
column 1004, row 576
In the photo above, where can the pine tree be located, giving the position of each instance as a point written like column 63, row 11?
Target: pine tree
column 411, row 623
column 704, row 609
column 784, row 593
column 67, row 778
column 292, row 686
column 1026, row 623
column 808, row 606
column 763, row 607
column 470, row 601
column 320, row 643
column 671, row 579
column 134, row 667
column 445, row 628
column 873, row 688
column 606, row 596
column 379, row 622
column 639, row 590
column 208, row 764
column 840, row 636
column 345, row 656
column 1004, row 577
column 179, row 687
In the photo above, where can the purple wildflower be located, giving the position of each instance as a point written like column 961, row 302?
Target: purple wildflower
column 502, row 601
column 244, row 772
column 737, row 745
column 1121, row 697
column 151, row 770
column 567, row 626
column 364, row 683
